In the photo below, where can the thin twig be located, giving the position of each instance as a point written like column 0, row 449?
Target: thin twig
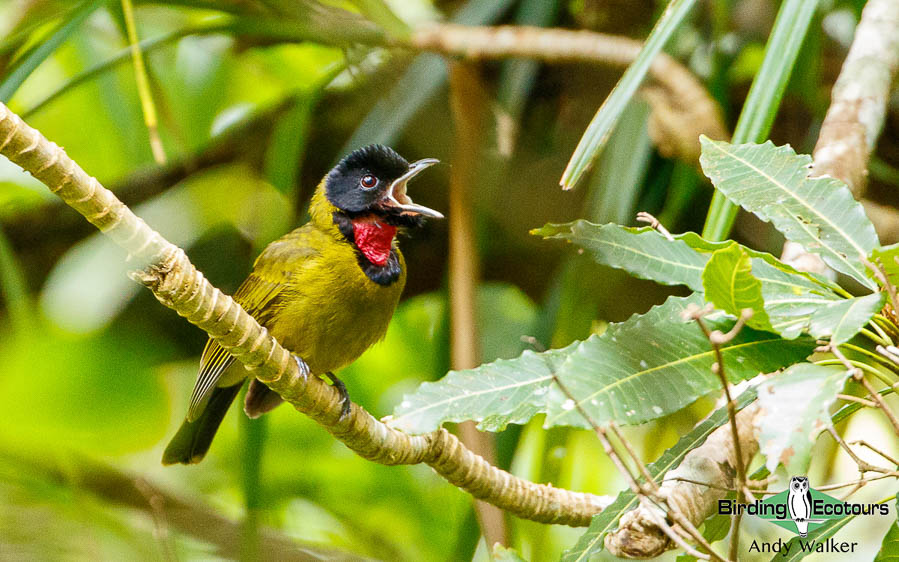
column 654, row 223
column 880, row 274
column 859, row 377
column 603, row 438
column 716, row 340
column 675, row 514
column 863, row 466
column 864, row 443
column 857, row 400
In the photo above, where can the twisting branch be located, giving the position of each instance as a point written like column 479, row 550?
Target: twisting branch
column 682, row 107
column 857, row 108
column 176, row 283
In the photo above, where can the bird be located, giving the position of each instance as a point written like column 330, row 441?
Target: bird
column 799, row 501
column 326, row 291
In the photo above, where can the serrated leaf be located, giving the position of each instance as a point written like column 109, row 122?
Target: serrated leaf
column 654, row 364
column 607, row 520
column 494, row 394
column 611, row 375
column 731, row 287
column 642, row 252
column 795, row 409
column 843, row 319
column 795, row 302
column 889, row 548
column 773, row 183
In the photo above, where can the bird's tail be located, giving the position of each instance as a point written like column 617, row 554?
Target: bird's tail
column 193, row 439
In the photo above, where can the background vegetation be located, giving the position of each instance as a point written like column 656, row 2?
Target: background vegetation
column 250, row 111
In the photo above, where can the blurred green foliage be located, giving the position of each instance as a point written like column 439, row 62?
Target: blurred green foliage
column 96, row 375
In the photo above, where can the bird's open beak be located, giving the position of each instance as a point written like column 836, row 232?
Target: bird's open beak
column 396, row 194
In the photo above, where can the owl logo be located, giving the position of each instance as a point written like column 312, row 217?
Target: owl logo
column 799, row 501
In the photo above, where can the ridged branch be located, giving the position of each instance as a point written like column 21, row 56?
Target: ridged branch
column 176, row 283
column 682, row 107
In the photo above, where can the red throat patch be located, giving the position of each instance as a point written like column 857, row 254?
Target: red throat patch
column 374, row 240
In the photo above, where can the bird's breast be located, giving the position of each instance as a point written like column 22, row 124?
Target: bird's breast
column 334, row 311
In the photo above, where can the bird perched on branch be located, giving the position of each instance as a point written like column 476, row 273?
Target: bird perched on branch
column 325, row 291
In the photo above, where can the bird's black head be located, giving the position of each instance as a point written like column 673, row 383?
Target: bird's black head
column 372, row 181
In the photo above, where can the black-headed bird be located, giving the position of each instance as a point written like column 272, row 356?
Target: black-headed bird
column 325, row 291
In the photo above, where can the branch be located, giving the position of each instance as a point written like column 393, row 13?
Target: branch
column 176, row 283
column 467, row 105
column 682, row 107
column 857, row 109
column 714, row 462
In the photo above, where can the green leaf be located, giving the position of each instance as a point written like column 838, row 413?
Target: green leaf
column 495, row 394
column 731, row 287
column 603, row 122
column 889, row 548
column 791, row 297
column 843, row 319
column 26, row 66
column 819, row 213
column 795, row 409
column 765, row 94
column 609, row 374
column 888, row 258
column 642, row 252
column 607, row 520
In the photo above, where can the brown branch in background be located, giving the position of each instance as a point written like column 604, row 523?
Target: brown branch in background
column 859, row 97
column 468, row 105
column 682, row 107
column 856, row 114
column 177, row 284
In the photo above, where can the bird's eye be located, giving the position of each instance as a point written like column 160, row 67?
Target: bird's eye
column 368, row 181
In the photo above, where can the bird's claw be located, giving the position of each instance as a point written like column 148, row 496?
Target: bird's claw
column 302, row 366
column 346, row 404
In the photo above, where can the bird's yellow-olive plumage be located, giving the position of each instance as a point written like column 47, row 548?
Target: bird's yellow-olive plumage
column 325, row 291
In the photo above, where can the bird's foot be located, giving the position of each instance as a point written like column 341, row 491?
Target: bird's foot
column 344, row 396
column 302, row 366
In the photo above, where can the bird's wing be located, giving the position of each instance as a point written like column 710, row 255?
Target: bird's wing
column 259, row 296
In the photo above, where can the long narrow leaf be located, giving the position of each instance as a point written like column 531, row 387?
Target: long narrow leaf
column 23, row 70
column 764, row 97
column 603, row 122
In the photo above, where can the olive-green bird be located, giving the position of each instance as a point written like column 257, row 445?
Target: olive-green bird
column 326, row 291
